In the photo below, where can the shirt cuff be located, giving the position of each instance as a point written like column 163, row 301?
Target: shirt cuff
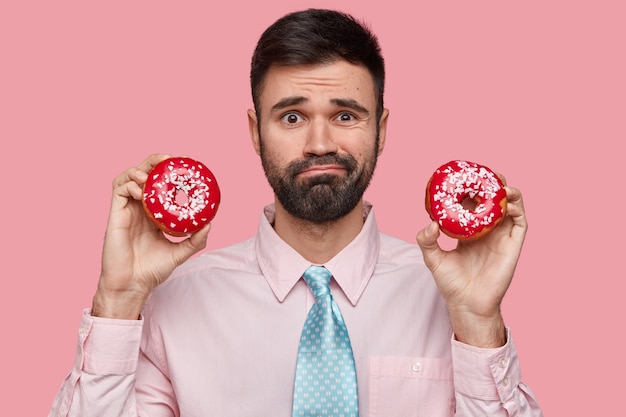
column 487, row 374
column 108, row 346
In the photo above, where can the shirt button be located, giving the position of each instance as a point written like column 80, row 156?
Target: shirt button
column 82, row 331
column 505, row 382
column 502, row 362
column 417, row 367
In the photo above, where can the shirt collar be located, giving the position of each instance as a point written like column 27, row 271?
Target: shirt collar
column 352, row 267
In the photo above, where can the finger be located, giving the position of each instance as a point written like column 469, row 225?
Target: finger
column 502, row 177
column 152, row 160
column 195, row 243
column 139, row 173
column 515, row 202
column 427, row 241
column 129, row 189
column 134, row 175
column 516, row 211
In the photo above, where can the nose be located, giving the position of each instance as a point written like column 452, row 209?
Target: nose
column 319, row 139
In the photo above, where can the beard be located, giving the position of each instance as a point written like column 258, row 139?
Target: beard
column 321, row 198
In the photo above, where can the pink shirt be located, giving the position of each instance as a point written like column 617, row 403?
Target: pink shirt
column 220, row 338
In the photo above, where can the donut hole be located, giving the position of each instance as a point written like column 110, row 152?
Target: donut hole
column 469, row 203
column 181, row 198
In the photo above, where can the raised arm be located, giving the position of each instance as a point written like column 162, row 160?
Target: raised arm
column 136, row 256
column 474, row 277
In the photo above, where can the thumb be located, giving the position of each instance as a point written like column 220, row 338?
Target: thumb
column 427, row 241
column 194, row 244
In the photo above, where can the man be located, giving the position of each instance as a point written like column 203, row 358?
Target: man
column 221, row 335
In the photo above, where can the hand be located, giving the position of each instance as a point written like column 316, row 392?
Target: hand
column 474, row 277
column 136, row 256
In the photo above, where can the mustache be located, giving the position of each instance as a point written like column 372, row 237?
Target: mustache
column 346, row 161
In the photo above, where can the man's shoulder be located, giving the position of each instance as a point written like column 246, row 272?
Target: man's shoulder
column 399, row 249
column 240, row 256
column 401, row 263
column 208, row 274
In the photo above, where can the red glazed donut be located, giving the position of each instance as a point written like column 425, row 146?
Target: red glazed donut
column 180, row 196
column 467, row 199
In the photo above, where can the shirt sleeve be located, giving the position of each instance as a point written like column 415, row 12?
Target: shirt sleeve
column 102, row 380
column 488, row 382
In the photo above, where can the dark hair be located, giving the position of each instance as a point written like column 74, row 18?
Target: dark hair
column 317, row 36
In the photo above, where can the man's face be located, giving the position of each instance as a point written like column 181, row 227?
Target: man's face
column 318, row 137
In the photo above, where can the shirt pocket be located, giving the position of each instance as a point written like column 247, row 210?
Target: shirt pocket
column 403, row 386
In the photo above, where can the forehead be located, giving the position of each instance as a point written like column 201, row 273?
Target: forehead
column 323, row 83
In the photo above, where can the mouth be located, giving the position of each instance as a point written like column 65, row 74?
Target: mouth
column 330, row 169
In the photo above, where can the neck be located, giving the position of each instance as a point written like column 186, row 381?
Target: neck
column 318, row 243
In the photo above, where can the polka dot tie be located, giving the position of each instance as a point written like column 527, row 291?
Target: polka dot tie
column 325, row 373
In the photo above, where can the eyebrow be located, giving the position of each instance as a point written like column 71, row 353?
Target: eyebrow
column 351, row 104
column 341, row 102
column 288, row 102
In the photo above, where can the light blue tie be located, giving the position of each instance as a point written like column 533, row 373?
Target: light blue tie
column 325, row 372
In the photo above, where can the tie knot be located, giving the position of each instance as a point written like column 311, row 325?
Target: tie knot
column 318, row 280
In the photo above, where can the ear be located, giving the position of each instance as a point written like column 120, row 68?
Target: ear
column 253, row 126
column 382, row 130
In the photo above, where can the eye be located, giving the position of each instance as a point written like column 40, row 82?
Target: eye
column 291, row 118
column 346, row 117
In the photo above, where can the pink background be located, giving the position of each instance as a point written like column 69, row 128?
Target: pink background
column 534, row 89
